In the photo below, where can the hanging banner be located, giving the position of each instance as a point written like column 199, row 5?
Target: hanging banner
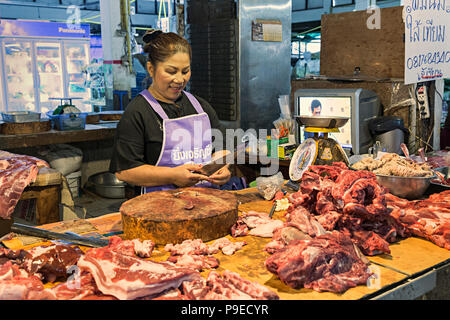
column 427, row 40
column 163, row 23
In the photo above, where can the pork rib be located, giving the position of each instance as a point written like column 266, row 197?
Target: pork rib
column 16, row 173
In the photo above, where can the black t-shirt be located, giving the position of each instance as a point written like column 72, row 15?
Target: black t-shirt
column 139, row 134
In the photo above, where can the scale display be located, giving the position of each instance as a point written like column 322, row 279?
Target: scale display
column 331, row 107
column 304, row 156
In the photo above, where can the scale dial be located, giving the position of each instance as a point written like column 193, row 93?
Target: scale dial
column 303, row 157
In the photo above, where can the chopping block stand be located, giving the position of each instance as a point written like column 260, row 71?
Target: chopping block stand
column 47, row 192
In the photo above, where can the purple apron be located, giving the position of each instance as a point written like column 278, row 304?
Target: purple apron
column 185, row 140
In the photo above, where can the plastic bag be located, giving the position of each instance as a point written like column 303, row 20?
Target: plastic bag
column 269, row 186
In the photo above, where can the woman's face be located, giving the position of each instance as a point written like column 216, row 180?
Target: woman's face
column 171, row 76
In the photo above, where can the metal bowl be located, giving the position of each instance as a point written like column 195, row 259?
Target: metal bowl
column 321, row 121
column 107, row 185
column 410, row 188
column 446, row 172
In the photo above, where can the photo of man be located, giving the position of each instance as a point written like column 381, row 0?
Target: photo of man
column 316, row 108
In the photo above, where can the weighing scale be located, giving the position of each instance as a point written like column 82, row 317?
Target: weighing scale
column 318, row 150
column 66, row 106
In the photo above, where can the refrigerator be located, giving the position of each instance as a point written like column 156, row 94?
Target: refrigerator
column 41, row 61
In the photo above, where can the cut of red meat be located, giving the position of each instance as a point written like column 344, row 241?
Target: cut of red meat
column 51, row 262
column 133, row 247
column 126, row 277
column 16, row 173
column 326, row 263
column 428, row 218
column 304, row 221
column 348, row 201
column 370, row 243
column 228, row 286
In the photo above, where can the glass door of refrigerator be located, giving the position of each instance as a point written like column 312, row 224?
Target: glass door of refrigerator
column 50, row 75
column 77, row 60
column 19, row 80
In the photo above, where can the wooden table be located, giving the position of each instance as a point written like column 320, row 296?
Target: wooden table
column 405, row 273
column 92, row 132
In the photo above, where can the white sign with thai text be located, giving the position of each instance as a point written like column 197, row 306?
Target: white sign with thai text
column 427, row 40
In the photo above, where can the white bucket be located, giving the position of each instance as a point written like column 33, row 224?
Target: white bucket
column 74, row 181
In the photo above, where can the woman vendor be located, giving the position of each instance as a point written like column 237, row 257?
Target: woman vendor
column 164, row 136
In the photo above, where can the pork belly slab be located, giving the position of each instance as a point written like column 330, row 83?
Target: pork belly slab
column 126, row 277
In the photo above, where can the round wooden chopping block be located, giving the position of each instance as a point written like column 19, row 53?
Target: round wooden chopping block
column 92, row 118
column 173, row 216
column 110, row 115
column 25, row 127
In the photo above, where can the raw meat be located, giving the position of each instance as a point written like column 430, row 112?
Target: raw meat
column 51, row 262
column 228, row 247
column 239, row 229
column 16, row 173
column 75, row 288
column 15, row 256
column 196, row 246
column 28, row 287
column 327, row 262
column 429, row 218
column 283, row 236
column 194, row 261
column 228, row 286
column 345, row 200
column 259, row 224
column 266, row 230
column 197, row 255
column 301, row 219
column 9, row 270
column 133, row 247
column 127, row 277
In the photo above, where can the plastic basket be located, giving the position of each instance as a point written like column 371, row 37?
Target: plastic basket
column 68, row 121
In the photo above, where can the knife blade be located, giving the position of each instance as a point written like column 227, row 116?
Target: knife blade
column 46, row 234
column 275, row 202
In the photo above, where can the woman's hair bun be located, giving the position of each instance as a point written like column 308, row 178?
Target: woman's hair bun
column 151, row 35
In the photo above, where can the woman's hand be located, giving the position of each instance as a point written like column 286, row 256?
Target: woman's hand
column 221, row 176
column 184, row 176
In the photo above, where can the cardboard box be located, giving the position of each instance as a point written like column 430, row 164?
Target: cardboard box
column 286, row 151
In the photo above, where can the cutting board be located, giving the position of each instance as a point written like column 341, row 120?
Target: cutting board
column 11, row 128
column 110, row 115
column 173, row 216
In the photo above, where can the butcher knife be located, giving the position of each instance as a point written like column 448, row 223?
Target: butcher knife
column 278, row 196
column 70, row 237
column 221, row 161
